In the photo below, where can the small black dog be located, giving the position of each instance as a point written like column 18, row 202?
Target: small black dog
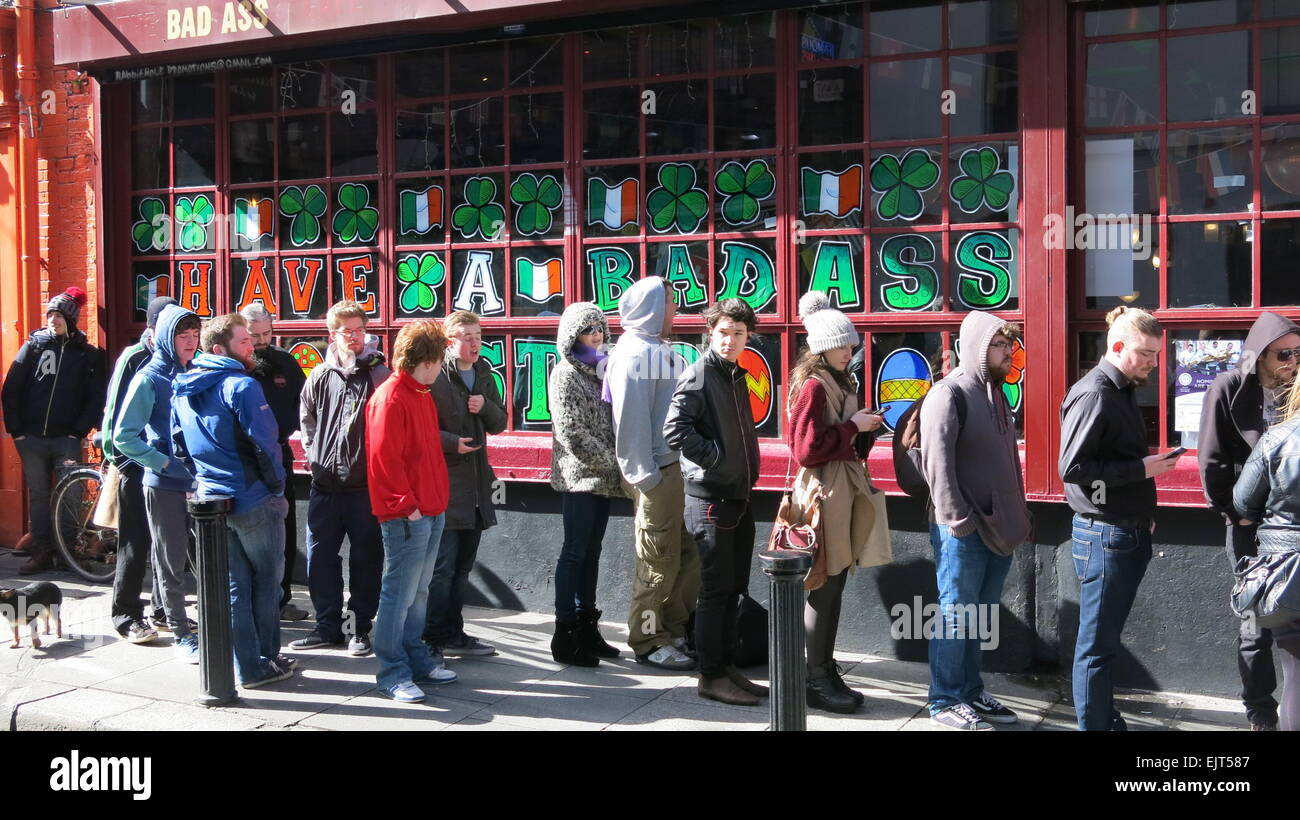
column 25, row 604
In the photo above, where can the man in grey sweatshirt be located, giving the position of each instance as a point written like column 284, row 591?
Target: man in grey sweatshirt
column 978, row 514
column 640, row 379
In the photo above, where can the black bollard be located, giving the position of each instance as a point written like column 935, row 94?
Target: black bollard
column 787, row 666
column 216, row 660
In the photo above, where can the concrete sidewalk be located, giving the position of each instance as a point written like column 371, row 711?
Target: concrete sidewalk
column 91, row 680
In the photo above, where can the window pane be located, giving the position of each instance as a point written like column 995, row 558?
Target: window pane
column 742, row 112
column 420, row 286
column 613, row 122
column 478, row 208
column 611, row 54
column 193, row 97
column 1207, row 75
column 830, row 106
column 903, row 27
column 1195, row 359
column 907, row 185
column 355, row 214
column 675, row 48
column 419, row 135
column 985, row 271
column 478, row 281
column 608, row 271
column 905, row 99
column 906, row 364
column 906, row 271
column 539, row 61
column 149, row 100
column 1194, row 13
column 1122, row 174
column 354, row 143
column 1106, row 17
column 1279, row 263
column 477, row 133
column 1122, row 180
column 612, row 196
column 532, row 359
column 677, row 198
column 686, row 267
column 356, row 75
column 1279, row 8
column 1123, row 83
column 302, row 147
column 537, row 281
column 253, row 226
column 746, row 269
column 1209, row 264
column 304, row 219
column 151, row 229
column 304, row 287
column 1210, row 171
column 745, row 194
column 974, row 23
column 477, row 68
column 1123, row 271
column 421, row 213
column 1280, row 70
column 536, row 128
column 151, row 279
column 149, row 162
column 832, row 185
column 419, row 73
column 831, row 33
column 252, row 150
column 834, row 265
column 196, row 161
column 745, row 42
column 537, row 204
column 987, row 87
column 680, row 124
column 1280, row 184
column 985, row 182
column 252, row 92
column 302, row 85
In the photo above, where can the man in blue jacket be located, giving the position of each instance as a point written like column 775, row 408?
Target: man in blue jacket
column 223, row 424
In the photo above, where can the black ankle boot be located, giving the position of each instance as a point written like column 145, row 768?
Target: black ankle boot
column 589, row 639
column 833, row 669
column 565, row 648
column 824, row 694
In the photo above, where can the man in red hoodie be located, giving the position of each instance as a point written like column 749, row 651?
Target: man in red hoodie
column 408, row 494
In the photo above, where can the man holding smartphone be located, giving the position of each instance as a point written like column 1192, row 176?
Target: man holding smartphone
column 1239, row 407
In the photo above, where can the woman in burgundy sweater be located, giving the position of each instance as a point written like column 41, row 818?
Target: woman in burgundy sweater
column 828, row 436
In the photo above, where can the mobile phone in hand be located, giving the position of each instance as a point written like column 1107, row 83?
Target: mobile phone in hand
column 1175, row 453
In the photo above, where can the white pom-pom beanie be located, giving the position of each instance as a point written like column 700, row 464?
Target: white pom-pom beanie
column 827, row 327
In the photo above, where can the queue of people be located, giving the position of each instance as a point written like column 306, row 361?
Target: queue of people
column 632, row 420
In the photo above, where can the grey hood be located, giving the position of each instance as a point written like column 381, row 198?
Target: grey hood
column 642, row 308
column 977, row 331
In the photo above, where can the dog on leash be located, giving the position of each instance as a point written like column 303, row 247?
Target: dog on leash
column 25, row 605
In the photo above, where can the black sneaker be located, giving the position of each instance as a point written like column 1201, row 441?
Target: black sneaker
column 139, row 632
column 962, row 717
column 988, row 708
column 160, row 623
column 315, row 640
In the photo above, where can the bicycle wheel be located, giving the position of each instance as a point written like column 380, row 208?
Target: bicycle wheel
column 89, row 551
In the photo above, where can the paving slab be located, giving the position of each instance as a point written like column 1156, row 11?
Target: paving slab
column 76, row 709
column 553, row 706
column 672, row 716
column 436, row 713
column 178, row 717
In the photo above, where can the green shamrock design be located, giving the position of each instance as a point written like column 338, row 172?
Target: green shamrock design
column 305, row 206
column 902, row 183
column 479, row 214
column 536, row 199
column 193, row 215
column 743, row 188
column 421, row 274
column 354, row 220
column 145, row 232
column 677, row 202
column 982, row 182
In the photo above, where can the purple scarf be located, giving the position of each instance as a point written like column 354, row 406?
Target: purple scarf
column 589, row 356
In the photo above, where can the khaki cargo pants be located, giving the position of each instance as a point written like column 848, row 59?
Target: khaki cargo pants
column 667, row 564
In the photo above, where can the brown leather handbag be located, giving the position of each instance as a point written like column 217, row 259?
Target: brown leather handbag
column 801, row 531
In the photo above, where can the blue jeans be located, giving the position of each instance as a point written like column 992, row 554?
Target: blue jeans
column 410, row 550
column 445, row 623
column 331, row 517
column 968, row 573
column 1110, row 562
column 585, row 518
column 255, row 546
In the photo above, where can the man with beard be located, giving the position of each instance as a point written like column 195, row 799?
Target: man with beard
column 282, row 380
column 1110, row 484
column 1239, row 407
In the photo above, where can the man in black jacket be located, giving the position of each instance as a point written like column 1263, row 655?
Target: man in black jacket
column 281, row 378
column 333, row 415
column 53, row 396
column 1239, row 407
column 711, row 423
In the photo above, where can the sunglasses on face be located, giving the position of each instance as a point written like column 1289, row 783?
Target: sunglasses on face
column 590, row 329
column 1287, row 354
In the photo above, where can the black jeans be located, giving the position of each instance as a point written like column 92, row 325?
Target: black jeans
column 290, row 531
column 585, row 518
column 724, row 533
column 444, row 622
column 331, row 517
column 133, row 545
column 42, row 458
column 1254, row 645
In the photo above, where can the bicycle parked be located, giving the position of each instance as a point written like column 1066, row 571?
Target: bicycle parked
column 87, row 549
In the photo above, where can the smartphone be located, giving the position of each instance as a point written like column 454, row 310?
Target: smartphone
column 1175, row 453
column 879, row 411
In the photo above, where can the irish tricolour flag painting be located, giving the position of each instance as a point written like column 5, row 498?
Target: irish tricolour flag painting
column 421, row 210
column 538, row 281
column 611, row 205
column 254, row 218
column 827, row 192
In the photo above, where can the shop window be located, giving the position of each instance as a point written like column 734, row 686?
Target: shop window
column 1195, row 359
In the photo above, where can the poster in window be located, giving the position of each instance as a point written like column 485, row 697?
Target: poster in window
column 1197, row 363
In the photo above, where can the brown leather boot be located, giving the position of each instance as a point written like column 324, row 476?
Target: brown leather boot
column 37, row 563
column 724, row 691
column 757, row 689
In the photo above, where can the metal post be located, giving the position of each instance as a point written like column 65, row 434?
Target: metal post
column 787, row 665
column 216, row 661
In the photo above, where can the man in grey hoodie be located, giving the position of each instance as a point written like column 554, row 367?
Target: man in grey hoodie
column 639, row 382
column 978, row 514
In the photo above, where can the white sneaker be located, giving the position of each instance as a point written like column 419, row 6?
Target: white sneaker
column 667, row 657
column 438, row 676
column 680, row 645
column 406, row 692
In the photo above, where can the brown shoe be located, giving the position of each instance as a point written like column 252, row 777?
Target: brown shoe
column 37, row 563
column 724, row 691
column 757, row 689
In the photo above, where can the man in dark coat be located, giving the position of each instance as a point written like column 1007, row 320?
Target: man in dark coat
column 1239, row 406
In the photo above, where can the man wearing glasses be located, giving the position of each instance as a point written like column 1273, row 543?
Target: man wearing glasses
column 1110, row 484
column 1239, row 406
column 333, row 416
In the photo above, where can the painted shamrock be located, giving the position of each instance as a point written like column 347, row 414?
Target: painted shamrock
column 537, row 199
column 193, row 215
column 355, row 220
column 743, row 187
column 1013, row 385
column 677, row 202
column 150, row 232
column 421, row 273
column 479, row 214
column 902, row 183
column 982, row 182
column 305, row 207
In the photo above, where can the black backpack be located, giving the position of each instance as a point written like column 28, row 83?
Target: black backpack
column 907, row 446
column 751, row 633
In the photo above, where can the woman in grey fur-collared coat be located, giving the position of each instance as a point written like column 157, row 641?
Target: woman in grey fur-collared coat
column 583, row 469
